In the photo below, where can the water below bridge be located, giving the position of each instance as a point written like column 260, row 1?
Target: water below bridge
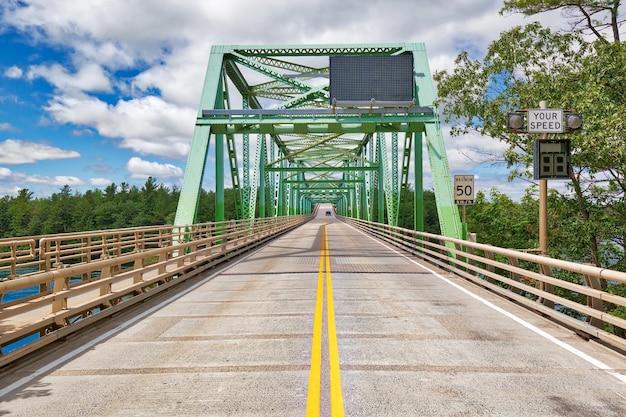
column 322, row 321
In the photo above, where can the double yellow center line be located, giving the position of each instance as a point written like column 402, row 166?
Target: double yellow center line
column 315, row 376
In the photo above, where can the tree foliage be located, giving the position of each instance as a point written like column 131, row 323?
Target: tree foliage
column 568, row 70
column 594, row 17
column 116, row 207
column 406, row 212
column 498, row 220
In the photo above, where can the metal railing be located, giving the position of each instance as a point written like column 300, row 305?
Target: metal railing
column 79, row 278
column 575, row 295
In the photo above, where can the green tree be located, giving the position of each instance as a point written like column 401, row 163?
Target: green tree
column 148, row 202
column 5, row 219
column 594, row 17
column 84, row 215
column 19, row 211
column 532, row 63
column 59, row 213
column 498, row 220
column 406, row 212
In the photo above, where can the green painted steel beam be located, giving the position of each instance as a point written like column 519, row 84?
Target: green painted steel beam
column 357, row 181
column 381, row 177
column 319, row 50
column 325, row 190
column 449, row 218
column 186, row 211
column 189, row 197
column 324, row 169
column 311, row 144
column 287, row 127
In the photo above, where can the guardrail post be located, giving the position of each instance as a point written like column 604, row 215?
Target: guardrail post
column 13, row 259
column 138, row 266
column 593, row 302
column 549, row 288
column 44, row 257
column 162, row 259
column 471, row 237
column 514, row 275
column 461, row 248
column 60, row 284
column 105, row 287
column 489, row 267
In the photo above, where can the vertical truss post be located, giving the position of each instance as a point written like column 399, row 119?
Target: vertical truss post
column 219, row 178
column 279, row 196
column 257, row 176
column 391, row 179
column 405, row 169
column 246, row 212
column 381, row 156
column 263, row 178
column 211, row 98
column 219, row 170
column 274, row 179
column 240, row 194
column 350, row 190
column 188, row 200
column 370, row 181
column 269, row 178
column 289, row 194
column 392, row 195
column 363, row 184
column 304, row 195
column 358, row 191
column 449, row 218
column 418, row 196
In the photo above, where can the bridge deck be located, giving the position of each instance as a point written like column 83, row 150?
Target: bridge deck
column 409, row 342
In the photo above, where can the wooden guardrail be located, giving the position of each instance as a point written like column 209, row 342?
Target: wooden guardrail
column 83, row 277
column 575, row 295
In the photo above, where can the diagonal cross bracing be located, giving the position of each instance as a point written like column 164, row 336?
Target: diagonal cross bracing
column 318, row 149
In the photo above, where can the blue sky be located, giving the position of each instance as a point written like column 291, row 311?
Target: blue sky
column 100, row 92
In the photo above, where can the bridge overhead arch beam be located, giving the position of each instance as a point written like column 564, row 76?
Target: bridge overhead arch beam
column 315, row 142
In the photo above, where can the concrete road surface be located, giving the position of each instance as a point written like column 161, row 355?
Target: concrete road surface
column 255, row 340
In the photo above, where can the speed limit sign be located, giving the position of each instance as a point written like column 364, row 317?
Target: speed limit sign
column 463, row 189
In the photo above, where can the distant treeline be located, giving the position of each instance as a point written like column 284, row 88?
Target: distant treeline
column 495, row 218
column 67, row 211
column 121, row 206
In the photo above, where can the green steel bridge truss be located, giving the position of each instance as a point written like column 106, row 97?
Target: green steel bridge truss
column 298, row 150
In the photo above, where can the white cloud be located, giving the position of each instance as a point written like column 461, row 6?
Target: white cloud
column 12, row 181
column 140, row 168
column 59, row 180
column 13, row 152
column 5, row 172
column 149, row 125
column 100, row 182
column 13, row 72
column 9, row 190
column 5, row 126
column 179, row 78
column 90, row 77
column 153, row 55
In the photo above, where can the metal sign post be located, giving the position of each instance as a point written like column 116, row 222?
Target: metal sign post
column 543, row 201
column 554, row 156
